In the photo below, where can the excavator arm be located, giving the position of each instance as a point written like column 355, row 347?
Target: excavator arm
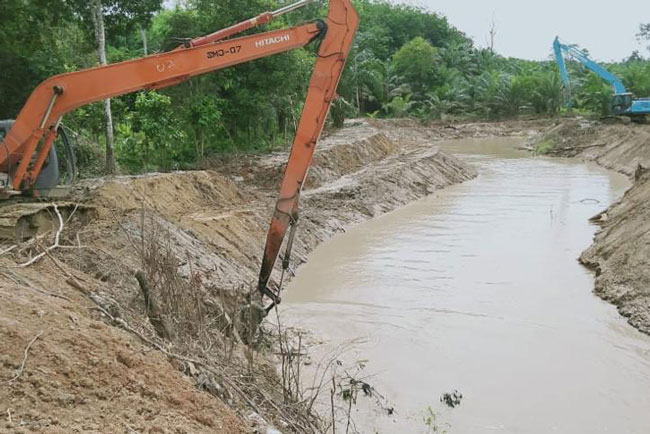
column 564, row 73
column 560, row 49
column 584, row 58
column 21, row 157
column 623, row 102
column 342, row 23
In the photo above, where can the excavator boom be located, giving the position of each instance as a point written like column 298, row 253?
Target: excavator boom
column 63, row 93
column 28, row 142
column 623, row 102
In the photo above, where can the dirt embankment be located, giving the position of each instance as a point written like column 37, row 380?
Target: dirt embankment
column 82, row 351
column 617, row 147
column 620, row 254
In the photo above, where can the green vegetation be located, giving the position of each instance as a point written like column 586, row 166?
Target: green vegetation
column 405, row 62
column 544, row 147
column 432, row 424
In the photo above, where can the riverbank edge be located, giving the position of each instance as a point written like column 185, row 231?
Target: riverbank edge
column 620, row 252
column 210, row 226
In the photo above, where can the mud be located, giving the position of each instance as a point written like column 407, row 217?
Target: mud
column 90, row 372
column 82, row 375
column 620, row 253
column 617, row 147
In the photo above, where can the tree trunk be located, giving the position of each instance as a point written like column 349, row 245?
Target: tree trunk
column 356, row 66
column 145, row 47
column 100, row 38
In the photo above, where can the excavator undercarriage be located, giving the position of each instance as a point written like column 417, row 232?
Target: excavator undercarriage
column 29, row 214
column 21, row 221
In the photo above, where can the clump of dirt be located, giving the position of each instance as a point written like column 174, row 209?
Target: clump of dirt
column 617, row 147
column 108, row 360
column 620, row 254
column 82, row 375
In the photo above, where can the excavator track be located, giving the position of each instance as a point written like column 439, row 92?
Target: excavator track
column 23, row 220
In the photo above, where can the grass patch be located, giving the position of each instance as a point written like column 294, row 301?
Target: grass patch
column 544, row 147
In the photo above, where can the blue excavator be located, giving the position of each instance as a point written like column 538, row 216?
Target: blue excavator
column 623, row 102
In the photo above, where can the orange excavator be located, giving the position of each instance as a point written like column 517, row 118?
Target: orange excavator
column 28, row 143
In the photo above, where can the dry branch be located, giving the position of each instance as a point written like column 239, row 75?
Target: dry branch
column 125, row 326
column 22, row 365
column 153, row 311
column 71, row 280
column 7, row 250
column 28, row 284
column 57, row 240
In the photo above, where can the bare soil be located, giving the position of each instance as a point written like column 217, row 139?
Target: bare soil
column 618, row 147
column 103, row 360
column 82, row 375
column 620, row 254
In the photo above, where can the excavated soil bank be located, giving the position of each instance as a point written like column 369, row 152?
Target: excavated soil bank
column 101, row 359
column 620, row 254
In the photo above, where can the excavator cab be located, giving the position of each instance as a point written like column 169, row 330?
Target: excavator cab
column 621, row 103
column 55, row 170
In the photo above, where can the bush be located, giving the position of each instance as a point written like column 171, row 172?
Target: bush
column 544, row 147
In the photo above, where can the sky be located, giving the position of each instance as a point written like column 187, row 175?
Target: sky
column 525, row 29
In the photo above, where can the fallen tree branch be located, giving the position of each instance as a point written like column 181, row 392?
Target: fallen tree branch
column 22, row 365
column 125, row 326
column 154, row 314
column 9, row 249
column 28, row 284
column 76, row 285
column 57, row 240
column 30, row 242
column 71, row 280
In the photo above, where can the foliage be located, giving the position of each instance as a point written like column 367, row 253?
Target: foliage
column 431, row 422
column 544, row 147
column 416, row 62
column 405, row 61
column 29, row 49
column 150, row 135
column 644, row 33
column 120, row 16
column 636, row 76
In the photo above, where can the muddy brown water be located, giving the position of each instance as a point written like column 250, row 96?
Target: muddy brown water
column 478, row 289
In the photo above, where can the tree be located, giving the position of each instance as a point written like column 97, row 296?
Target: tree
column 493, row 34
column 644, row 33
column 123, row 15
column 29, row 50
column 100, row 38
column 416, row 62
column 152, row 136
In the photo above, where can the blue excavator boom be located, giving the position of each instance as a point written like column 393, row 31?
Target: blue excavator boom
column 623, row 102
